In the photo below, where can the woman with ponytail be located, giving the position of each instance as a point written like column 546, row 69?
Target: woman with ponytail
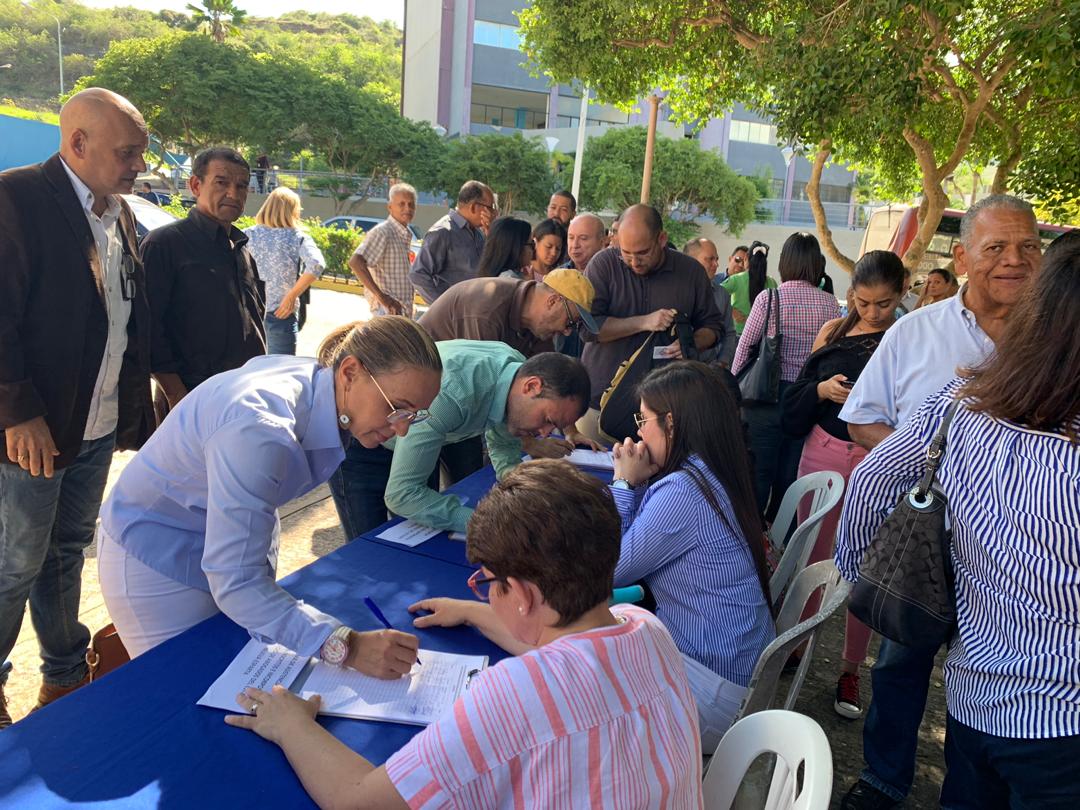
column 811, row 408
column 744, row 287
column 191, row 527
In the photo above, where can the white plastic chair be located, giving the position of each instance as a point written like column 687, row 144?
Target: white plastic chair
column 827, row 488
column 792, row 634
column 795, row 740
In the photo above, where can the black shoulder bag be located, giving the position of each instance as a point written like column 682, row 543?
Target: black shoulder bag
column 305, row 297
column 759, row 379
column 905, row 588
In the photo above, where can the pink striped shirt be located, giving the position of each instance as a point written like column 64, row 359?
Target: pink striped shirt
column 601, row 719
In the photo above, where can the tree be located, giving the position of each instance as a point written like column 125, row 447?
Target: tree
column 517, row 169
column 687, row 181
column 219, row 18
column 907, row 90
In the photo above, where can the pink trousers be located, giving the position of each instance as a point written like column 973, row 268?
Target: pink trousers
column 824, row 452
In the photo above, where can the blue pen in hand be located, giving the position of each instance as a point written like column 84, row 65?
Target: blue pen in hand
column 382, row 619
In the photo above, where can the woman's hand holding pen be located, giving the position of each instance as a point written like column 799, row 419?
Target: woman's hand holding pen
column 382, row 653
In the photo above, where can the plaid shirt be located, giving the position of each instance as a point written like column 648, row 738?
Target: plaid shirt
column 386, row 250
column 804, row 309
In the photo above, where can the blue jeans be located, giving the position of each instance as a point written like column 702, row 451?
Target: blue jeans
column 900, row 679
column 280, row 334
column 986, row 772
column 45, row 525
column 776, row 455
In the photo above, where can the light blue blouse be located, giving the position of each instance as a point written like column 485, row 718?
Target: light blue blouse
column 198, row 503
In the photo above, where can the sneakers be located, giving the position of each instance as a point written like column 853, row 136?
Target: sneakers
column 847, row 702
column 5, row 715
column 863, row 796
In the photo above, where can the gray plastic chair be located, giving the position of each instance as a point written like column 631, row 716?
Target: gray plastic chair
column 791, row 634
column 827, row 489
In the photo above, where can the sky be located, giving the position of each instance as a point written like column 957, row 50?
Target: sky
column 376, row 9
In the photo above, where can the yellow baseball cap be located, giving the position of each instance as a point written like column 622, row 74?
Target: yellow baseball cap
column 574, row 287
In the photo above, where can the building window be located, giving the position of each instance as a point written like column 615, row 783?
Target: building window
column 751, row 132
column 496, row 35
column 508, row 107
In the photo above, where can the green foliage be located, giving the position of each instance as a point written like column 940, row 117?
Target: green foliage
column 518, row 170
column 336, row 244
column 218, row 18
column 13, row 111
column 363, row 53
column 687, row 181
column 877, row 79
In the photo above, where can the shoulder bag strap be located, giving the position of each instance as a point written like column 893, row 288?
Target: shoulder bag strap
column 778, row 313
column 936, row 451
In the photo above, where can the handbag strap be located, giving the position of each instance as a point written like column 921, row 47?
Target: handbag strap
column 936, row 452
column 777, row 312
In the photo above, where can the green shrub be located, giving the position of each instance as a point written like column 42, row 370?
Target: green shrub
column 336, row 244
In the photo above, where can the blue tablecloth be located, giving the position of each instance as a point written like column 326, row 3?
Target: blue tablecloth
column 473, row 487
column 137, row 739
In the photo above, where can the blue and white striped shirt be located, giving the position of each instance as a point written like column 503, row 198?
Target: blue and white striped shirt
column 698, row 568
column 1013, row 668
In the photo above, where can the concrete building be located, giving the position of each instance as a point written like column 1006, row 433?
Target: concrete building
column 463, row 72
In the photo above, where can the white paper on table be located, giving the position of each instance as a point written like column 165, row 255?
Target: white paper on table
column 601, row 459
column 408, row 533
column 260, row 665
column 417, row 699
column 458, row 536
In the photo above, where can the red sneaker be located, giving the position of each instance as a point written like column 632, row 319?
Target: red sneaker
column 847, row 696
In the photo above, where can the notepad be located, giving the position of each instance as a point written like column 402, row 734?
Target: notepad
column 416, row 699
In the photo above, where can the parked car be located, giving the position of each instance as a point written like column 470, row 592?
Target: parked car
column 148, row 217
column 365, row 224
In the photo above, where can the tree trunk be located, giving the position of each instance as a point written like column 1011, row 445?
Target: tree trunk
column 813, row 193
column 934, row 202
column 650, row 146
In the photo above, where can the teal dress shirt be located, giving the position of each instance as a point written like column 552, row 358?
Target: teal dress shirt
column 476, row 380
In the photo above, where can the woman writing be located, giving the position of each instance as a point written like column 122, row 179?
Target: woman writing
column 191, row 527
column 1010, row 476
column 282, row 250
column 549, row 238
column 692, row 533
column 811, row 408
column 803, row 309
column 595, row 705
column 508, row 248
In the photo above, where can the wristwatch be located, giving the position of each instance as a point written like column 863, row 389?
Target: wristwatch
column 336, row 648
column 621, row 483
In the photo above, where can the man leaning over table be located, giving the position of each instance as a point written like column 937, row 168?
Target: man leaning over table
column 74, row 369
column 487, row 389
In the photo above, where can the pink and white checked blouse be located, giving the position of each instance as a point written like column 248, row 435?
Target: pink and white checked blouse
column 601, row 719
column 804, row 309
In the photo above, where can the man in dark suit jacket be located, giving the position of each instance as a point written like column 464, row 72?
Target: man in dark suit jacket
column 74, row 369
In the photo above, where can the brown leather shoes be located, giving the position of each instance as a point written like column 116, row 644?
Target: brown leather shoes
column 50, row 692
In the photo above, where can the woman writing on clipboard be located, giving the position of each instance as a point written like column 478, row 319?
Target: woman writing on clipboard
column 191, row 527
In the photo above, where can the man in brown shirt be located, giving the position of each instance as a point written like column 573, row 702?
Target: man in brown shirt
column 525, row 315
column 641, row 287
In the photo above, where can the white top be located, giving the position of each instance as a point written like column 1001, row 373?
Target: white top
column 102, row 418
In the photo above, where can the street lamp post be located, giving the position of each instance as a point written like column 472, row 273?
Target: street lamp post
column 790, row 151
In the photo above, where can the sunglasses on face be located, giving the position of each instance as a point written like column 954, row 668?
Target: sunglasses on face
column 399, row 415
column 571, row 321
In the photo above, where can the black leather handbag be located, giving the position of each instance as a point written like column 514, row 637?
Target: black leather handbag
column 905, row 589
column 759, row 379
column 305, row 297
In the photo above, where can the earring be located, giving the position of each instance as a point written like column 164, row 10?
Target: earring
column 344, row 420
column 521, row 611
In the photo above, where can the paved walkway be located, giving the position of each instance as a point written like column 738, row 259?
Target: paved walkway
column 310, row 529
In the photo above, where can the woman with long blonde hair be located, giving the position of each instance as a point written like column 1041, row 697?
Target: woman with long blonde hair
column 288, row 261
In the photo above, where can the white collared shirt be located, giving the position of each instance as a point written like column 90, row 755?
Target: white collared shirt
column 102, row 417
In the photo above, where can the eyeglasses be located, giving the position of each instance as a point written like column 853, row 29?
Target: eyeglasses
column 398, row 415
column 489, row 206
column 128, row 287
column 481, row 585
column 640, row 420
column 571, row 321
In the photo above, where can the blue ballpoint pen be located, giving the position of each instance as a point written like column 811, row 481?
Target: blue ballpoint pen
column 382, row 619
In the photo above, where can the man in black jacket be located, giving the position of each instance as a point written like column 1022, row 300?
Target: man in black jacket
column 74, row 369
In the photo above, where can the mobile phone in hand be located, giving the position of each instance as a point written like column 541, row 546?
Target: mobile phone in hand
column 847, row 383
